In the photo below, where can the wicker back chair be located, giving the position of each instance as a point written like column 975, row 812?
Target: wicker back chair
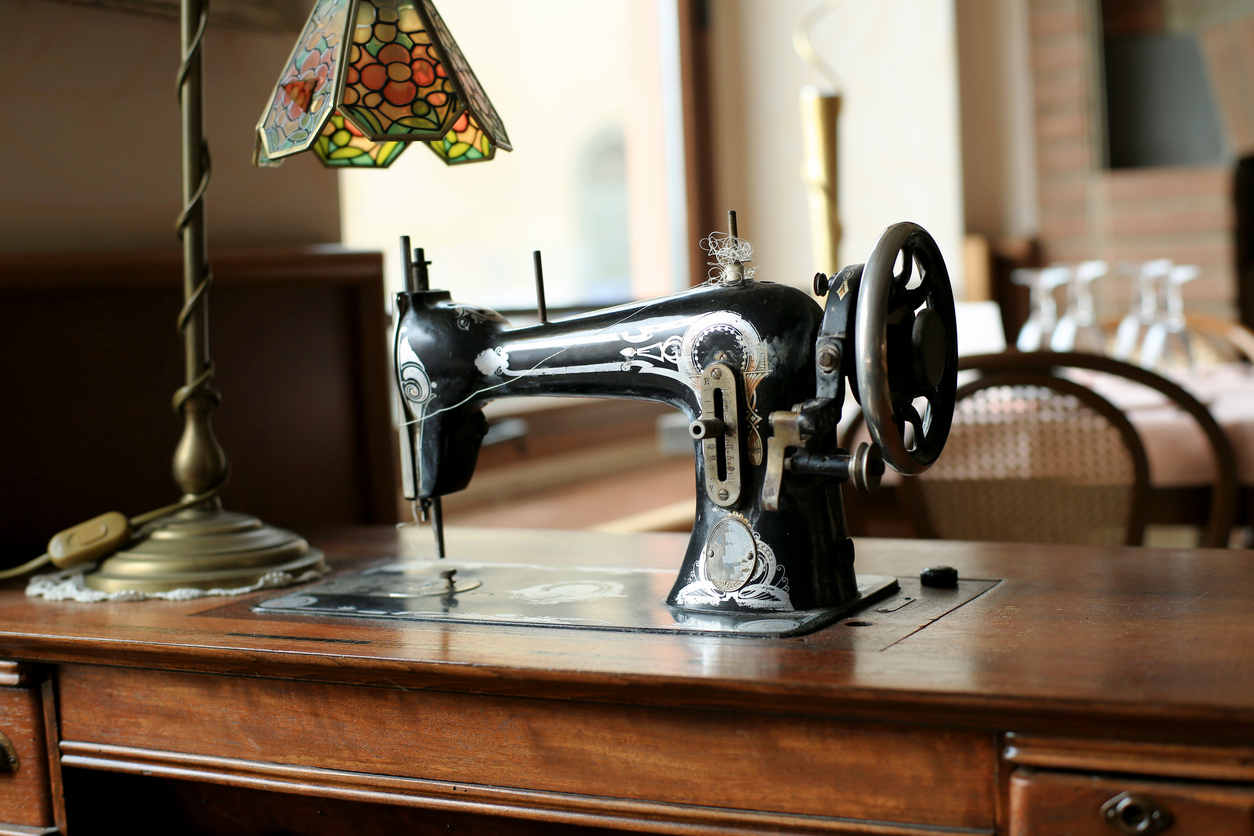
column 1036, row 457
column 1033, row 458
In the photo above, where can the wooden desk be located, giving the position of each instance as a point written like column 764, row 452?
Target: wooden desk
column 1082, row 674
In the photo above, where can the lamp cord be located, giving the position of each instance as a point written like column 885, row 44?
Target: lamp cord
column 28, row 566
column 136, row 522
column 200, row 385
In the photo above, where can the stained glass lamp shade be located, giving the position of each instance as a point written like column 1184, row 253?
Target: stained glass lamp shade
column 341, row 144
column 465, row 143
column 366, row 78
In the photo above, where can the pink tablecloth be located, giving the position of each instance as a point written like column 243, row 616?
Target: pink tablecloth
column 1178, row 452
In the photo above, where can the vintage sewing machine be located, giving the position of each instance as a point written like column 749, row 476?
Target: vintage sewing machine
column 760, row 371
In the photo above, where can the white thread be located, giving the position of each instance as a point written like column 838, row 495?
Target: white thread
column 413, row 507
column 727, row 251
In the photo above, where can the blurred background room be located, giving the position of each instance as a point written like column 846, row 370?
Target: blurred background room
column 1023, row 134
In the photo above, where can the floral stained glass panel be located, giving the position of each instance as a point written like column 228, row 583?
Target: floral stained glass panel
column 260, row 158
column 341, row 144
column 468, row 84
column 466, row 143
column 303, row 98
column 397, row 85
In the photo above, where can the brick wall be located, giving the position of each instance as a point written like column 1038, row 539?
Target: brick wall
column 1184, row 214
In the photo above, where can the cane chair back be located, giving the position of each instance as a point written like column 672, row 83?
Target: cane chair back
column 1033, row 458
column 1223, row 493
column 925, row 509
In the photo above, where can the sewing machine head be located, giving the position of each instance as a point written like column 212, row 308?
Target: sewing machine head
column 760, row 371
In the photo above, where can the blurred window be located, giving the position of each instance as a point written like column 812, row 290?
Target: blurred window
column 1160, row 110
column 593, row 182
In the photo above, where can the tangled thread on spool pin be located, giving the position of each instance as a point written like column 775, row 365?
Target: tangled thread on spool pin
column 726, row 251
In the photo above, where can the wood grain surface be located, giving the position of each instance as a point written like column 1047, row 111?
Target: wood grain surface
column 1071, row 638
column 710, row 758
column 1081, row 659
column 24, row 795
column 507, row 806
column 1049, row 803
column 1133, row 757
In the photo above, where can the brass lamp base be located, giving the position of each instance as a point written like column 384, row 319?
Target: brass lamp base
column 205, row 549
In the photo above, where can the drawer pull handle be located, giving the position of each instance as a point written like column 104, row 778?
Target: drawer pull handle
column 8, row 755
column 1135, row 814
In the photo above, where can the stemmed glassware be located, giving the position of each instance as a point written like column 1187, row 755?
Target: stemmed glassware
column 1039, row 329
column 1153, row 333
column 1166, row 343
column 1078, row 329
column 1143, row 312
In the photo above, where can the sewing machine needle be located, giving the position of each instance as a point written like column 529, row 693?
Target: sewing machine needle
column 437, row 525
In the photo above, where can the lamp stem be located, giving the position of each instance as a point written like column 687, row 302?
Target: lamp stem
column 200, row 464
column 202, row 546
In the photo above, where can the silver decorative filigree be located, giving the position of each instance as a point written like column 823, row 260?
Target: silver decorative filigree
column 415, row 383
column 682, row 355
column 492, row 361
column 754, row 365
column 765, row 589
column 664, row 352
column 473, row 314
column 417, row 389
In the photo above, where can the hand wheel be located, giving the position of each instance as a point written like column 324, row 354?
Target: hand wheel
column 906, row 342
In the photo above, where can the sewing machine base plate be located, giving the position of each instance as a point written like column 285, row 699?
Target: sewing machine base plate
column 599, row 598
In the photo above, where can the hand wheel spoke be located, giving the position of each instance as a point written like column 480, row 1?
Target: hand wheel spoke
column 908, row 414
column 907, row 268
column 912, row 297
column 917, row 296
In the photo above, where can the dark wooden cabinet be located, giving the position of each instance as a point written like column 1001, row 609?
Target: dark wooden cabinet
column 1077, row 676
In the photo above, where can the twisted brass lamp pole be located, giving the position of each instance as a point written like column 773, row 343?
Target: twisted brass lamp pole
column 200, row 464
column 202, row 546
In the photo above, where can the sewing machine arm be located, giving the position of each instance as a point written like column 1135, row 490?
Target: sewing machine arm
column 760, row 371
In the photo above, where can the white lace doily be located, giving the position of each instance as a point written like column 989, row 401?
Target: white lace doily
column 68, row 585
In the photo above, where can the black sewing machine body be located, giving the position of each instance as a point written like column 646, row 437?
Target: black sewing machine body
column 759, row 370
column 454, row 358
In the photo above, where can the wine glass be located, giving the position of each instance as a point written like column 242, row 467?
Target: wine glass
column 1166, row 343
column 1078, row 329
column 1037, row 331
column 1144, row 308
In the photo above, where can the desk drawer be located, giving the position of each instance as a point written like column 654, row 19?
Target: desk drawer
column 620, row 760
column 25, row 793
column 1045, row 803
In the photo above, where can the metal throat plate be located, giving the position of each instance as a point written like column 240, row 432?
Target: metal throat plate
column 597, row 598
